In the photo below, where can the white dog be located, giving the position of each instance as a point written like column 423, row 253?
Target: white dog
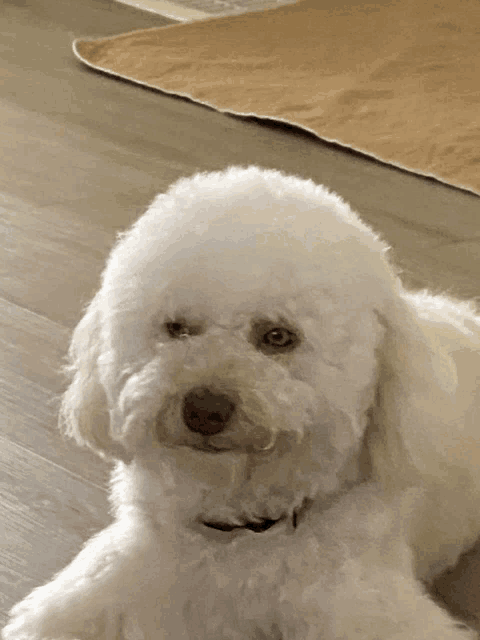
column 297, row 438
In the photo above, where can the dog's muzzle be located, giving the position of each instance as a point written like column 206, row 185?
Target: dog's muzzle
column 206, row 412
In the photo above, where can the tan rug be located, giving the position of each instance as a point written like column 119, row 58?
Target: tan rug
column 397, row 80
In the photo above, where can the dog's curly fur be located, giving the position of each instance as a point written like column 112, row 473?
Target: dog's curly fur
column 296, row 436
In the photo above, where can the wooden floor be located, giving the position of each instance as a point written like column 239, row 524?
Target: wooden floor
column 81, row 156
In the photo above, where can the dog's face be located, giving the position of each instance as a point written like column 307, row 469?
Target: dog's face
column 237, row 352
column 253, row 393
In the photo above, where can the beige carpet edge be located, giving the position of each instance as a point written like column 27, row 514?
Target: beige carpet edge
column 368, row 154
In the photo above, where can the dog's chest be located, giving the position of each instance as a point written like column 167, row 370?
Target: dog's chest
column 249, row 588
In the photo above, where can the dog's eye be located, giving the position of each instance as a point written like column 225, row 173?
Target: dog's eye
column 279, row 338
column 181, row 330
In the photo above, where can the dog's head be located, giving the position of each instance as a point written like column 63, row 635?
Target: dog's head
column 244, row 332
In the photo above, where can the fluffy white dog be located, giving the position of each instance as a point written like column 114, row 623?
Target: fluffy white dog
column 296, row 437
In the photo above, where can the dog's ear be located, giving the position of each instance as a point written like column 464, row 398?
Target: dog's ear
column 414, row 412
column 84, row 413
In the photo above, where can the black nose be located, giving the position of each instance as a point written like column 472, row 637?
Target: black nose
column 206, row 412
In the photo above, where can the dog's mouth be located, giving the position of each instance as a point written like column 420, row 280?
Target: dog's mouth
column 264, row 524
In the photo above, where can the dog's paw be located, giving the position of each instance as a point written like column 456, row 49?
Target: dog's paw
column 42, row 616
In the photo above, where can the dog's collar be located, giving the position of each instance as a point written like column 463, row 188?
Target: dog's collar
column 256, row 527
column 263, row 524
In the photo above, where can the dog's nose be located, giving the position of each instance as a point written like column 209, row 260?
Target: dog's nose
column 206, row 412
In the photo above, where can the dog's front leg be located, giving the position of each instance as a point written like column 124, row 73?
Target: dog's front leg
column 376, row 603
column 365, row 586
column 85, row 601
